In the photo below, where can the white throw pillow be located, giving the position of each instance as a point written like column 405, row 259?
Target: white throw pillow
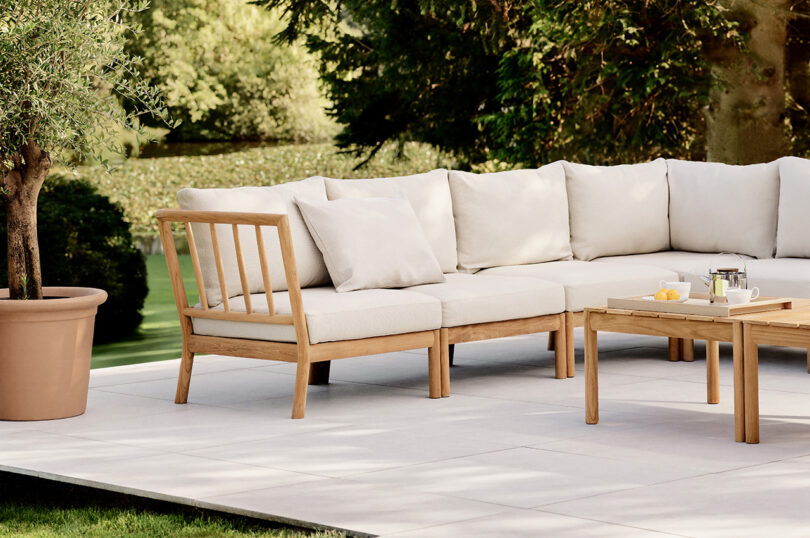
column 618, row 210
column 793, row 229
column 429, row 195
column 510, row 218
column 278, row 199
column 371, row 243
column 717, row 207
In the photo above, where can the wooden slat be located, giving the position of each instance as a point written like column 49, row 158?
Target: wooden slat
column 223, row 288
column 238, row 347
column 219, row 217
column 238, row 316
column 668, row 315
column 619, row 312
column 501, row 329
column 195, row 262
column 293, row 285
column 240, row 261
column 370, row 346
column 675, row 328
column 645, row 314
column 268, row 289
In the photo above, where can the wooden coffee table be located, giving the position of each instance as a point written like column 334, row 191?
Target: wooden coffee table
column 684, row 326
column 788, row 328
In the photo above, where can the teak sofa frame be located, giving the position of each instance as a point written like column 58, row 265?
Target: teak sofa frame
column 312, row 359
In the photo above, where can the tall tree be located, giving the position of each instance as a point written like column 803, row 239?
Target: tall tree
column 535, row 80
column 746, row 114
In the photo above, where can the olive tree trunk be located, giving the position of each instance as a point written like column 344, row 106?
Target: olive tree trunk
column 23, row 183
column 746, row 113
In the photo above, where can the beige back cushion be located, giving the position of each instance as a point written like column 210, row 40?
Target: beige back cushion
column 429, row 195
column 275, row 199
column 370, row 243
column 718, row 207
column 618, row 210
column 510, row 218
column 793, row 229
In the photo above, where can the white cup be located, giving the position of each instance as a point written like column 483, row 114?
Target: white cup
column 682, row 288
column 741, row 296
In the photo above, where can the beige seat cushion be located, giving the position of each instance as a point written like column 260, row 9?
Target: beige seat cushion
column 618, row 209
column 781, row 277
column 333, row 316
column 429, row 194
column 508, row 218
column 591, row 283
column 688, row 265
column 275, row 199
column 468, row 299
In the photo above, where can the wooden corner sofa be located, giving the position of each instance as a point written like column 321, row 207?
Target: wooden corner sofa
column 516, row 252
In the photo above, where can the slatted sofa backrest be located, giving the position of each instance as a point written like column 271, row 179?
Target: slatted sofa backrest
column 168, row 216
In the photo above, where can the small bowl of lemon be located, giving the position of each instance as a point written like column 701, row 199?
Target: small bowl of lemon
column 668, row 295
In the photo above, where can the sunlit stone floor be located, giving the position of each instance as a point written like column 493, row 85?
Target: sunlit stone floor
column 508, row 454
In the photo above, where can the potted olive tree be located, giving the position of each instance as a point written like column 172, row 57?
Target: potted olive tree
column 63, row 70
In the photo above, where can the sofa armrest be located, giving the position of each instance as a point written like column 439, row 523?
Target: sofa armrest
column 166, row 217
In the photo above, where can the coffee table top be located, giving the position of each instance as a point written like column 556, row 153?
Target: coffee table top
column 798, row 315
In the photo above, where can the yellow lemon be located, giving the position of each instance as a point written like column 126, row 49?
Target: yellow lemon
column 661, row 295
column 673, row 295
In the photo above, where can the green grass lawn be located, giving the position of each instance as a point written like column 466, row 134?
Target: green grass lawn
column 93, row 521
column 159, row 336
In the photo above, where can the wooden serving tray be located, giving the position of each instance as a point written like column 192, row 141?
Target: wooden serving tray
column 698, row 304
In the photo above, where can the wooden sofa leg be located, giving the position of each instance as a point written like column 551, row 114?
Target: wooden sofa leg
column 435, row 366
column 808, row 361
column 556, row 341
column 301, row 382
column 319, row 373
column 451, row 351
column 184, row 378
column 687, row 349
column 674, row 349
column 444, row 347
column 569, row 343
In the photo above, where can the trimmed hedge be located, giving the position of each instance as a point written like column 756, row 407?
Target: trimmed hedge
column 142, row 186
column 85, row 241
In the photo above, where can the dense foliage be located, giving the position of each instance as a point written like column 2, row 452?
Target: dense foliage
column 63, row 69
column 222, row 74
column 85, row 241
column 523, row 81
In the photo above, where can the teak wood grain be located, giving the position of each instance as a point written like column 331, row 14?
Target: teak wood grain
column 679, row 329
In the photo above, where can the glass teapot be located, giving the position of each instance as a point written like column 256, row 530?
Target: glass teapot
column 722, row 279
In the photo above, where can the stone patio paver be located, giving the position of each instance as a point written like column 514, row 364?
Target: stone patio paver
column 508, row 454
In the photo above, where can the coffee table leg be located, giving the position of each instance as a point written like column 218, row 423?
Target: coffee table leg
column 751, row 374
column 591, row 373
column 687, row 349
column 712, row 371
column 739, row 383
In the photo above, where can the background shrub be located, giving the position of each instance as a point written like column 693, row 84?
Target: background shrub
column 85, row 241
column 221, row 72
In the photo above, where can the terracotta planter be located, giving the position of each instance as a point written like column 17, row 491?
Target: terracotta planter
column 45, row 349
